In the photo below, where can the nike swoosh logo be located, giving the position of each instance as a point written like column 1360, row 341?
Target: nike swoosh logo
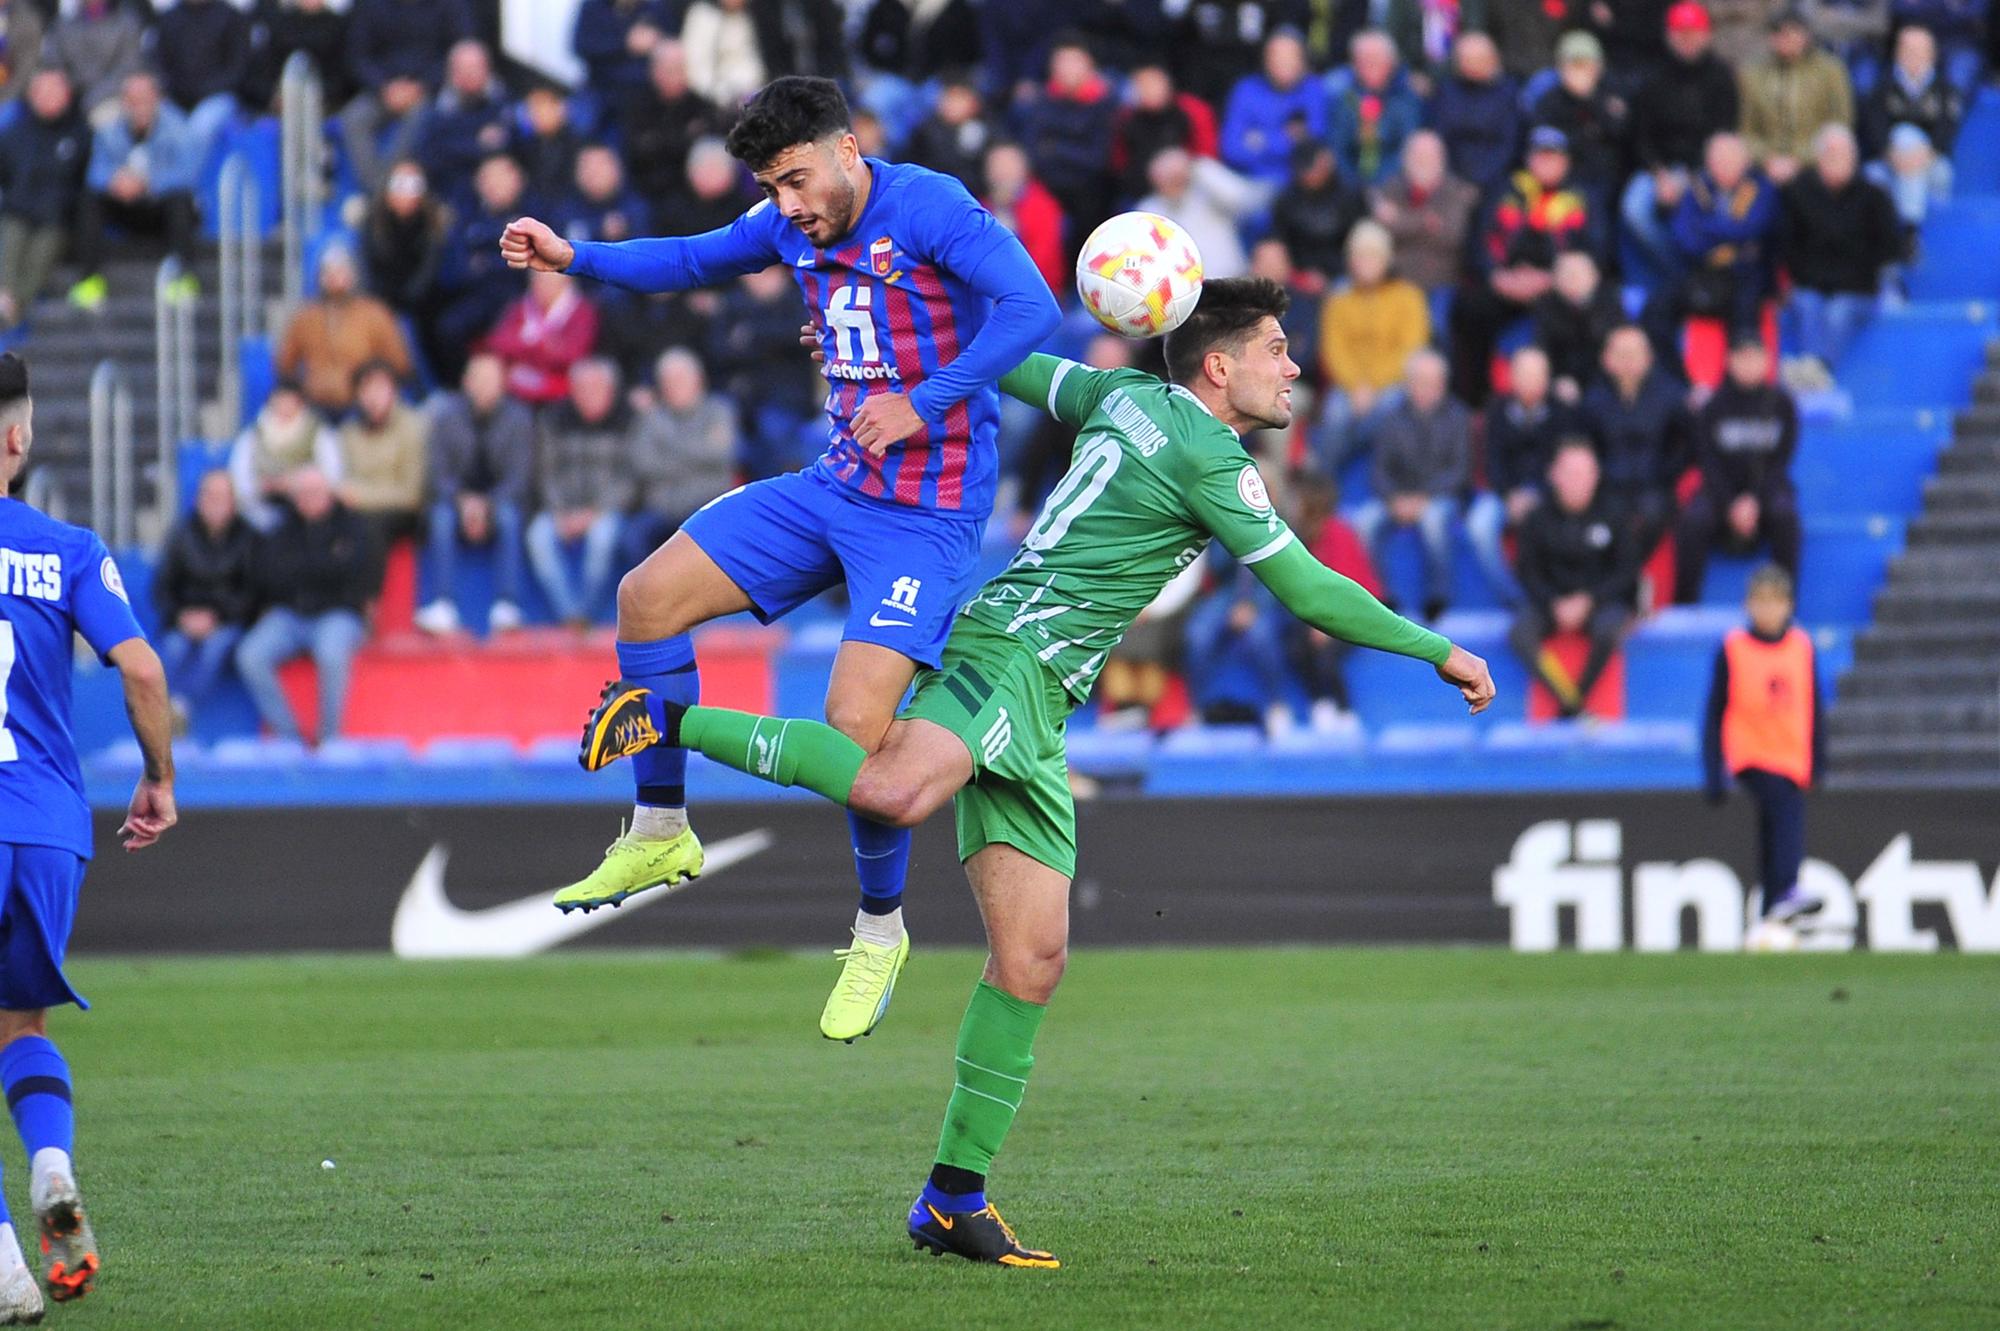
column 428, row 926
column 882, row 623
column 935, row 1216
column 805, row 261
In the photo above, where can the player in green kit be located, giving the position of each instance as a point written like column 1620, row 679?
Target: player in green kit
column 1158, row 470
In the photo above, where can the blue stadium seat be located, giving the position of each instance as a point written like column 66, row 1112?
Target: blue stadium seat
column 1109, row 753
column 469, row 751
column 1976, row 159
column 1922, row 355
column 1959, row 259
column 1875, row 462
column 372, row 752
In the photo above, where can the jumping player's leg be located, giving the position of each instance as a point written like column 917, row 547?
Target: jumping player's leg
column 867, row 685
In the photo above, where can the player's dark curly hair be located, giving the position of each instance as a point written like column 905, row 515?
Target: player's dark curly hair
column 788, row 111
column 1229, row 311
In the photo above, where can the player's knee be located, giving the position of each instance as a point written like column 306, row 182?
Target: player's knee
column 15, row 1025
column 894, row 801
column 647, row 604
column 1030, row 969
column 861, row 720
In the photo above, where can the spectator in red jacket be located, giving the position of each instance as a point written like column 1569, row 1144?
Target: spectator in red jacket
column 1025, row 207
column 541, row 335
column 1157, row 116
column 1068, row 131
column 1320, row 660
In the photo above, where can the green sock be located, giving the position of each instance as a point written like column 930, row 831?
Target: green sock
column 996, row 1046
column 784, row 750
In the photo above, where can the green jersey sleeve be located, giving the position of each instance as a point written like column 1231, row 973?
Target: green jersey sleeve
column 1343, row 608
column 1226, row 497
column 1066, row 389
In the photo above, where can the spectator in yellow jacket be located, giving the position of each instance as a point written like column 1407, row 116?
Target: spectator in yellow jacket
column 1369, row 329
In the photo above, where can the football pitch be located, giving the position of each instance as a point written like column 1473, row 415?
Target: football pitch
column 1229, row 1138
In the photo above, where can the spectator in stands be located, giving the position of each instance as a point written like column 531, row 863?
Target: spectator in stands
column 1579, row 574
column 1369, row 330
column 1423, row 464
column 202, row 50
column 584, row 446
column 753, row 357
column 1527, row 34
column 544, row 142
column 316, row 575
column 43, row 155
column 1320, row 661
column 1428, row 212
column 1269, row 258
column 1068, row 134
column 474, row 284
column 1841, row 233
column 1961, row 30
column 1914, row 177
column 662, row 122
column 285, row 438
column 1026, row 208
column 99, row 44
column 1535, row 219
column 954, row 137
column 1595, row 122
column 1272, row 110
column 22, row 29
column 1787, row 97
column 1744, row 441
column 1476, row 110
column 600, row 206
column 482, row 464
column 1690, row 98
column 1912, row 91
column 280, row 29
column 1855, row 30
column 1523, row 427
column 683, row 453
column 1637, row 416
column 1157, row 116
column 331, row 337
column 1726, row 229
column 203, row 591
column 141, row 180
column 1238, row 622
column 467, row 120
column 403, row 238
column 1216, row 45
column 1572, row 320
column 726, row 59
column 615, row 38
column 1210, row 202
column 396, row 51
column 1374, row 112
column 920, row 40
column 714, row 194
column 384, row 456
column 1316, row 210
column 542, row 335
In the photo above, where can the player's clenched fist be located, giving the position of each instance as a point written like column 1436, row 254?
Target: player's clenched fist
column 1470, row 674
column 527, row 243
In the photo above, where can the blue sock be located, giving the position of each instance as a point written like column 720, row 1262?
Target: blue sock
column 950, row 1202
column 666, row 666
column 881, row 859
column 36, row 1079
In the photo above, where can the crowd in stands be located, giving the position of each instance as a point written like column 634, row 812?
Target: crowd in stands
column 1496, row 220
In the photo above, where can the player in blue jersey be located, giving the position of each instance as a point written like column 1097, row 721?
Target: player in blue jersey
column 56, row 581
column 922, row 300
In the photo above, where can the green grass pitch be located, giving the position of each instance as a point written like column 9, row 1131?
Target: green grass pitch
column 1230, row 1138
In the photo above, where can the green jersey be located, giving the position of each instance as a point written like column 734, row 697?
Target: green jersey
column 1153, row 477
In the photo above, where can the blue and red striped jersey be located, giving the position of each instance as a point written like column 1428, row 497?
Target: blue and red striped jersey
column 899, row 304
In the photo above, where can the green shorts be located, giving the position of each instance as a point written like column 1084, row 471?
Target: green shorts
column 1009, row 712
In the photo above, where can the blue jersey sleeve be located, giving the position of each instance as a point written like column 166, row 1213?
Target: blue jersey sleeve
column 654, row 264
column 97, row 600
column 969, row 242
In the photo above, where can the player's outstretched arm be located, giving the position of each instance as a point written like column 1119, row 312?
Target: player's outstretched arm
column 152, row 809
column 1068, row 390
column 648, row 264
column 1344, row 609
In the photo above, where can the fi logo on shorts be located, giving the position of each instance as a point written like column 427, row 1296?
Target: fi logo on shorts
column 902, row 601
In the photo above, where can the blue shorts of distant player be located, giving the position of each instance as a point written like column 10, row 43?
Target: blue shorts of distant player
column 41, row 884
column 787, row 539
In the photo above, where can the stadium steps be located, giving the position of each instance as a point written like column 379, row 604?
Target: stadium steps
column 1924, row 694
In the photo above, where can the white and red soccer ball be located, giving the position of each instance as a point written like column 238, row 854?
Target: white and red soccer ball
column 1139, row 275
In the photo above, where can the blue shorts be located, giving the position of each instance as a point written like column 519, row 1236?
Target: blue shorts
column 41, row 884
column 787, row 539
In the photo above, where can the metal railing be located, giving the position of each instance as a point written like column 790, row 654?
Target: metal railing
column 174, row 382
column 241, row 258
column 113, row 511
column 302, row 164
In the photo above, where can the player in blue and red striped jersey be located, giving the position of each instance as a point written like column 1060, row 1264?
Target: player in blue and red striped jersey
column 921, row 300
column 56, row 581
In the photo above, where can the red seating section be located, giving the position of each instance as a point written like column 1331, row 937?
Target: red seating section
column 1607, row 697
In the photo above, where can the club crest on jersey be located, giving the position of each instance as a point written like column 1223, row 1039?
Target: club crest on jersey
column 882, row 256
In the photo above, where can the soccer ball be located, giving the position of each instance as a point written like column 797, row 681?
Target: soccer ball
column 1139, row 275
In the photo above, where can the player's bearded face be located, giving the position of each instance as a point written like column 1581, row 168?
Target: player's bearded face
column 811, row 185
column 1260, row 381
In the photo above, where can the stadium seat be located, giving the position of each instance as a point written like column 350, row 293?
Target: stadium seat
column 1571, row 651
